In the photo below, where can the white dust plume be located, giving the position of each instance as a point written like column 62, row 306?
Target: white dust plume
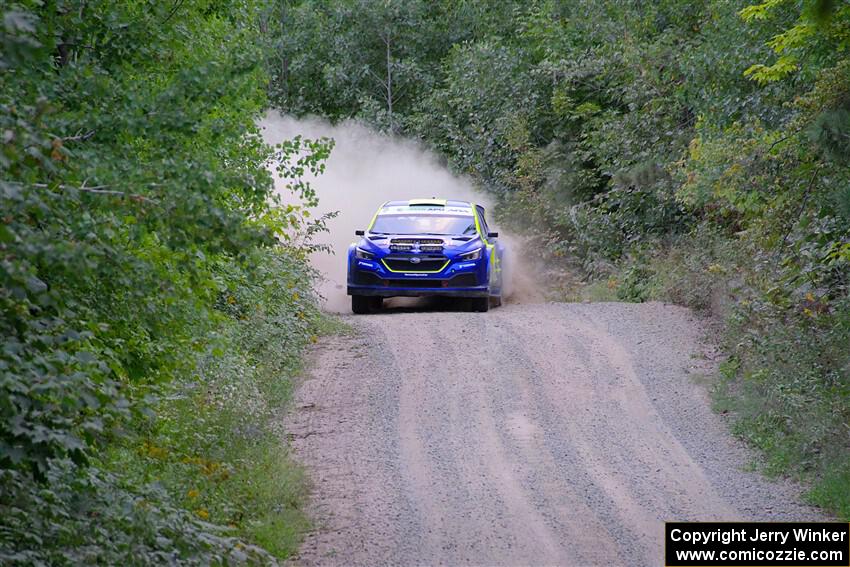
column 364, row 170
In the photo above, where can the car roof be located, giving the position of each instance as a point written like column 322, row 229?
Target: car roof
column 426, row 206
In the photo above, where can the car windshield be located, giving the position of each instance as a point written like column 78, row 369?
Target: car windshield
column 423, row 224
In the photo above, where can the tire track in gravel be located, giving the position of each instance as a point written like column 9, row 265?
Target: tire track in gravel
column 547, row 434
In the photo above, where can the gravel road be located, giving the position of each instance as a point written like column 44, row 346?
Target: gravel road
column 543, row 434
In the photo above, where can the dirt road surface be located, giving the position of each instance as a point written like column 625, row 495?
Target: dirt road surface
column 545, row 434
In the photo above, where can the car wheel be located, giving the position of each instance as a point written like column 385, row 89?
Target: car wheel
column 480, row 304
column 361, row 304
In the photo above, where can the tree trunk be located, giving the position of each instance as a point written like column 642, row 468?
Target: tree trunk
column 388, row 42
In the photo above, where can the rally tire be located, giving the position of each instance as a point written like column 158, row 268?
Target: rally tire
column 361, row 304
column 480, row 304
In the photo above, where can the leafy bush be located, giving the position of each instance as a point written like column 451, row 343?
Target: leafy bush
column 215, row 443
column 87, row 517
column 635, row 284
column 152, row 296
column 795, row 379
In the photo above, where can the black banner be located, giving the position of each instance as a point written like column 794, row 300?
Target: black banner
column 762, row 544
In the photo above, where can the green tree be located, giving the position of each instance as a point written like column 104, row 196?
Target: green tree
column 135, row 195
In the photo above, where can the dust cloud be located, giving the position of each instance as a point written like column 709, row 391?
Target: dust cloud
column 364, row 170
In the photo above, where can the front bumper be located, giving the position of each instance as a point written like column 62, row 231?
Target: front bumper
column 456, row 279
column 417, row 292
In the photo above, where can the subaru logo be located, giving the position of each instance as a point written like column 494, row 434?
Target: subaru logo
column 415, row 260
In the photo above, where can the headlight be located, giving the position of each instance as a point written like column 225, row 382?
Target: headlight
column 362, row 254
column 474, row 255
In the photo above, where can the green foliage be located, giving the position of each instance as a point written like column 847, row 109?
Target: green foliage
column 144, row 258
column 794, row 375
column 802, row 40
column 831, row 133
column 831, row 491
column 215, row 443
column 635, row 284
column 91, row 517
column 764, row 74
column 376, row 58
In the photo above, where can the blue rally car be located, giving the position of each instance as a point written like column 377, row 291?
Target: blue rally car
column 426, row 247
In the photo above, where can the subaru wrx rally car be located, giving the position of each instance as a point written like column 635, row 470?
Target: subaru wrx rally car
column 426, row 247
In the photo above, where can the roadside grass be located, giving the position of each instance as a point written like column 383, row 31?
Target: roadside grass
column 595, row 292
column 331, row 325
column 833, row 489
column 706, row 380
column 778, row 449
column 723, row 393
column 216, row 448
column 217, row 445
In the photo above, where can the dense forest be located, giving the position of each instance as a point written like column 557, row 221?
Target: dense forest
column 154, row 296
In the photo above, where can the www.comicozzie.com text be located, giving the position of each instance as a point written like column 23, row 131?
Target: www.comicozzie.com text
column 742, row 534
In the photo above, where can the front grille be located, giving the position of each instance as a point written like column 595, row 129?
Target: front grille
column 426, row 263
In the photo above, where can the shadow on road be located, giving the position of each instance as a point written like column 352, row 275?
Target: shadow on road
column 424, row 304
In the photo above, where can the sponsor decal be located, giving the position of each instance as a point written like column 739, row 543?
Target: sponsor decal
column 420, row 210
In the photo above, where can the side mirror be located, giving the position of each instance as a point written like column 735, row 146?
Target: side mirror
column 359, row 232
column 492, row 235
